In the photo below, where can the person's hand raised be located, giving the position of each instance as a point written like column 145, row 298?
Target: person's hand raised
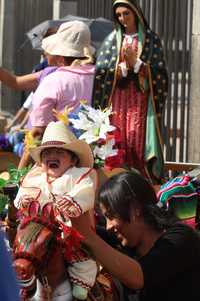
column 83, row 225
column 130, row 56
column 119, row 72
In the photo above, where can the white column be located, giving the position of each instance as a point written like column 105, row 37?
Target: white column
column 1, row 42
column 61, row 8
column 194, row 113
column 56, row 9
column 7, row 14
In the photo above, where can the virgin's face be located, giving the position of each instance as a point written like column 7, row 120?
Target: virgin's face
column 128, row 233
column 126, row 17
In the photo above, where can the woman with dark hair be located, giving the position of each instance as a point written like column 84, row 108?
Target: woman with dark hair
column 131, row 76
column 166, row 264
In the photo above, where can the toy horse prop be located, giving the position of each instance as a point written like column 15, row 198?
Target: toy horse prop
column 42, row 250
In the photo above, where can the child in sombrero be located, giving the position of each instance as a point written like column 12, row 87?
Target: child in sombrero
column 63, row 175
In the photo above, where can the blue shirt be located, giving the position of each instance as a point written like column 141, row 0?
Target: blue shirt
column 9, row 290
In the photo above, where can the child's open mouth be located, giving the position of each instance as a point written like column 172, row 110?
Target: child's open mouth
column 53, row 164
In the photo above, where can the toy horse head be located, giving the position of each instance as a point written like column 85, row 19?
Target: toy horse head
column 40, row 248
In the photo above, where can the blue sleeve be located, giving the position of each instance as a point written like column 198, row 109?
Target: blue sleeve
column 9, row 290
column 40, row 66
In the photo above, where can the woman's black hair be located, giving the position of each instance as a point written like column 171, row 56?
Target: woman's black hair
column 128, row 190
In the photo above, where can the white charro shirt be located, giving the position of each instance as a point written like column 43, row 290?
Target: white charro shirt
column 72, row 194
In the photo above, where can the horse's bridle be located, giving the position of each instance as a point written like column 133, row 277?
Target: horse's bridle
column 52, row 244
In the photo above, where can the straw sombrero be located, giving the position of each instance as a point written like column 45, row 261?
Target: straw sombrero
column 58, row 135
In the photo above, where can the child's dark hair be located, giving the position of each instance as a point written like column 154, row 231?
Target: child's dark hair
column 129, row 190
column 74, row 157
column 50, row 31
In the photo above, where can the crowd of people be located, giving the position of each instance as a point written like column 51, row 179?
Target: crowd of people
column 147, row 251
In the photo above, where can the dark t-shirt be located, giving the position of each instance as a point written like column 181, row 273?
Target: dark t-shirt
column 172, row 267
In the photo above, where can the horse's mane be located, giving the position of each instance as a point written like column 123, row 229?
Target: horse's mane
column 33, row 230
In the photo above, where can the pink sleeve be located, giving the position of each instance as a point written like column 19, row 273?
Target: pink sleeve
column 44, row 100
column 38, row 75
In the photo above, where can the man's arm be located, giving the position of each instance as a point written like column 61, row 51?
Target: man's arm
column 23, row 82
column 19, row 117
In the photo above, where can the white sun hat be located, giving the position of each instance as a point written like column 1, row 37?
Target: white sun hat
column 58, row 135
column 72, row 39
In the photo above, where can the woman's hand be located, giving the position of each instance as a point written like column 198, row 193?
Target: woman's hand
column 130, row 56
column 83, row 225
column 7, row 128
column 119, row 72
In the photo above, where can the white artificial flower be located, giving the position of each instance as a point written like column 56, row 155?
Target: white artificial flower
column 105, row 150
column 90, row 136
column 94, row 123
column 82, row 123
column 104, row 129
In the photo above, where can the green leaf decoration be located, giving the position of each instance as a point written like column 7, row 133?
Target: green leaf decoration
column 16, row 174
column 2, row 183
column 3, row 202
